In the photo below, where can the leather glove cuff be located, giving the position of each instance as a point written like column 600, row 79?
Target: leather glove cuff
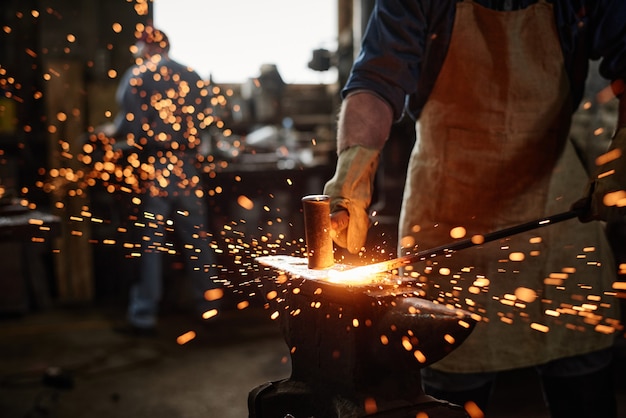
column 351, row 189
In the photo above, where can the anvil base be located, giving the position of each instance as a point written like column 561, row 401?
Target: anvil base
column 292, row 399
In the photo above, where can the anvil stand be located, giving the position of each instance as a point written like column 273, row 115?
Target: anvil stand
column 356, row 351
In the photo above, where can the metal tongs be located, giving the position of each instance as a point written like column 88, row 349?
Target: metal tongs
column 399, row 262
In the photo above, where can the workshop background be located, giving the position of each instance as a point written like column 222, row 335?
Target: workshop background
column 65, row 261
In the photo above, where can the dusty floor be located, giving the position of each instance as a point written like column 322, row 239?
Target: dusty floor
column 91, row 371
column 119, row 376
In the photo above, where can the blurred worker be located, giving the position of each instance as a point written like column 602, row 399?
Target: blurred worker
column 493, row 85
column 162, row 105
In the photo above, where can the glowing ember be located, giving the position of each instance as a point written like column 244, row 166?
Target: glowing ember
column 245, row 202
column 605, row 329
column 481, row 282
column 210, row 314
column 185, row 338
column 608, row 157
column 525, row 294
column 478, row 239
column 406, row 343
column 517, row 256
column 407, row 242
column 458, row 232
column 473, row 410
column 617, row 198
column 464, row 324
column 539, row 327
column 214, row 294
column 419, row 356
column 551, row 312
column 243, row 305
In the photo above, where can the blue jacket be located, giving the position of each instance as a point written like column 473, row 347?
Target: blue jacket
column 406, row 42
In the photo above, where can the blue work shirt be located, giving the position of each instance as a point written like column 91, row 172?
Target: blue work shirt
column 406, row 41
column 166, row 101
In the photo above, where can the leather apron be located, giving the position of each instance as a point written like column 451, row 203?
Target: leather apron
column 492, row 152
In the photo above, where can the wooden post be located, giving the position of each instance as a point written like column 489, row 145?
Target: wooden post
column 65, row 112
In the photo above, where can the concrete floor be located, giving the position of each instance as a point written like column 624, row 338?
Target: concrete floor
column 120, row 376
column 111, row 375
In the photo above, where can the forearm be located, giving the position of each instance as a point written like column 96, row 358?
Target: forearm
column 365, row 119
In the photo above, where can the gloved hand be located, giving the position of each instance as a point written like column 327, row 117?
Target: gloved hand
column 605, row 198
column 350, row 190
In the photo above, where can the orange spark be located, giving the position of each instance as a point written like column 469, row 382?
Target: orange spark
column 516, row 256
column 539, row 327
column 525, row 294
column 406, row 343
column 245, row 202
column 608, row 157
column 209, row 314
column 478, row 239
column 473, row 410
column 186, row 337
column 419, row 356
column 458, row 232
column 214, row 294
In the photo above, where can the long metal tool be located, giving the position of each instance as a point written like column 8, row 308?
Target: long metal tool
column 396, row 263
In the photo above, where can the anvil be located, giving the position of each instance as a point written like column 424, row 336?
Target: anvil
column 356, row 350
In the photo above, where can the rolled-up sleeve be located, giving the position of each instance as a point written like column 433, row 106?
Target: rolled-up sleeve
column 406, row 41
column 391, row 52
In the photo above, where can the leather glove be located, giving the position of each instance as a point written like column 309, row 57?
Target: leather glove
column 350, row 189
column 605, row 197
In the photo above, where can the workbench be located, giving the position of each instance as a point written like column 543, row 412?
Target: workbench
column 26, row 256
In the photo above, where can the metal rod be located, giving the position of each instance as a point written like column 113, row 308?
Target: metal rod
column 468, row 242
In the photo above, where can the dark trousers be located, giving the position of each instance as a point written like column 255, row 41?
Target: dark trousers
column 576, row 387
